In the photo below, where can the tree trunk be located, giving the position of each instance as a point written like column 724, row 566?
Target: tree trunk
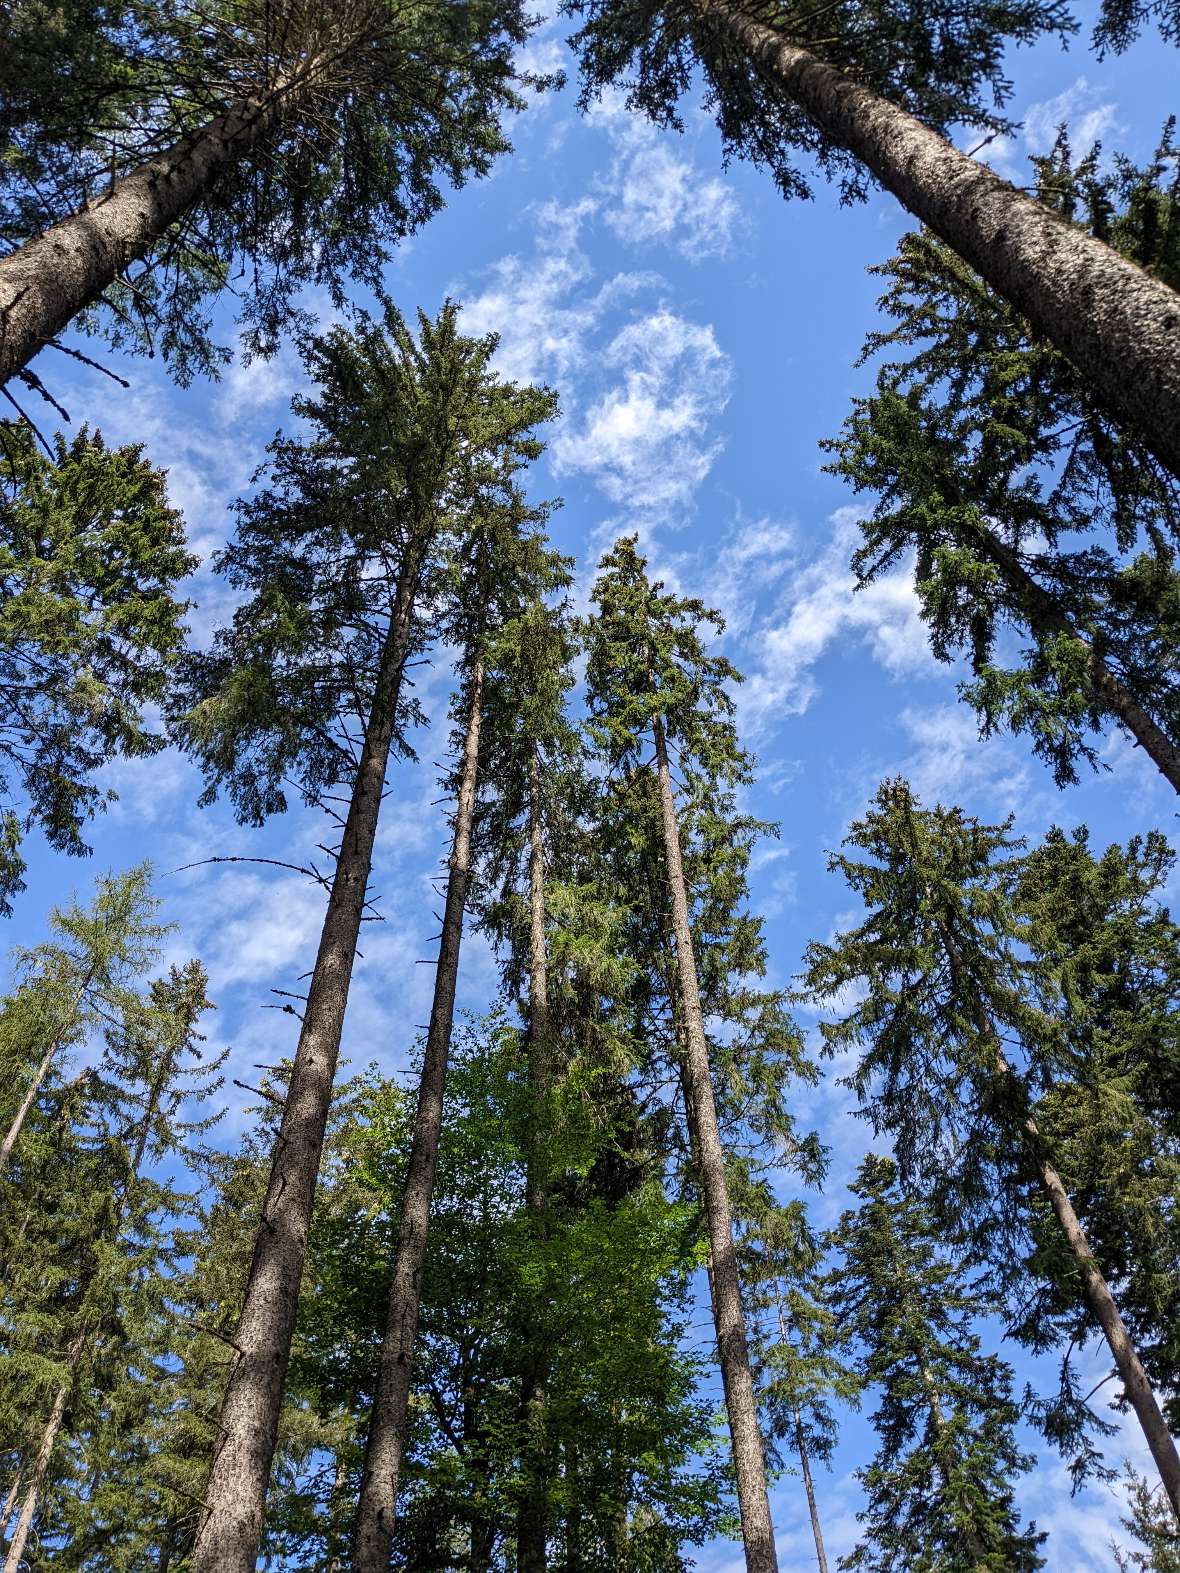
column 804, row 1460
column 1095, row 1291
column 531, row 1525
column 373, row 1534
column 336, row 1539
column 51, row 278
column 733, row 1352
column 973, row 1545
column 9, row 1502
column 228, row 1535
column 20, row 1535
column 1118, row 325
column 26, row 1104
column 1045, row 615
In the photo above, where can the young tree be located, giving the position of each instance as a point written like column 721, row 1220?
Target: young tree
column 502, row 566
column 334, row 556
column 1153, row 1526
column 1025, row 503
column 940, row 1489
column 948, row 1000
column 292, row 144
column 650, row 682
column 870, row 92
column 71, row 985
column 90, row 628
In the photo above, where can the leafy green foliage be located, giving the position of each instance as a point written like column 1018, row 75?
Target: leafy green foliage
column 940, row 1488
column 90, row 628
column 1026, row 505
column 940, row 66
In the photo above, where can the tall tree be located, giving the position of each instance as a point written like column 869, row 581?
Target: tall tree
column 501, row 567
column 90, row 628
column 1025, row 504
column 651, row 682
column 940, row 1488
column 948, row 1002
column 869, row 93
column 333, row 555
column 291, row 144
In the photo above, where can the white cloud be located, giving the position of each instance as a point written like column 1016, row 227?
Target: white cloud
column 1078, row 106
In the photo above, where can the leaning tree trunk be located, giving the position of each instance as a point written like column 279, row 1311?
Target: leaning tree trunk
column 1118, row 325
column 531, row 1526
column 229, row 1532
column 1045, row 615
column 373, row 1532
column 9, row 1502
column 20, row 1535
column 733, row 1351
column 46, row 282
column 16, row 1125
column 1096, row 1293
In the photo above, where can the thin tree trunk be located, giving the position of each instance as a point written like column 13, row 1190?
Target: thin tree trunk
column 1118, row 325
column 26, row 1104
column 51, row 278
column 974, row 1546
column 9, row 1502
column 1045, row 615
column 376, row 1512
column 531, row 1526
column 733, row 1352
column 336, row 1537
column 228, row 1535
column 20, row 1535
column 801, row 1447
column 1095, row 1291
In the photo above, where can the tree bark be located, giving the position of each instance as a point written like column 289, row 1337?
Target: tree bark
column 733, row 1351
column 9, row 1502
column 51, row 278
column 228, row 1535
column 376, row 1512
column 531, row 1525
column 804, row 1460
column 20, row 1535
column 1046, row 616
column 1118, row 325
column 18, row 1119
column 1095, row 1291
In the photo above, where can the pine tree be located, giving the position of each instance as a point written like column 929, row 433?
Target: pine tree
column 869, row 94
column 948, row 1005
column 90, row 628
column 1026, row 505
column 1154, row 1527
column 651, row 683
column 336, row 555
column 292, row 145
column 502, row 566
column 940, row 1488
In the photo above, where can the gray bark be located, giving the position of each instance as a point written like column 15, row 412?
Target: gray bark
column 809, row 1487
column 228, row 1535
column 1118, row 325
column 54, row 276
column 376, row 1512
column 732, row 1348
column 9, row 1502
column 20, row 1534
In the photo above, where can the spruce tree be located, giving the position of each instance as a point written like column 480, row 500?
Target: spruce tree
column 1026, row 504
column 940, row 1488
column 91, row 555
column 1153, row 1526
column 955, row 1044
column 287, row 145
column 869, row 94
column 335, row 556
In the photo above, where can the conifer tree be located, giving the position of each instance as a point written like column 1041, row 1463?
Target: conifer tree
column 335, row 556
column 1025, row 503
column 948, row 1004
column 90, row 628
column 1153, row 1526
column 651, row 683
column 940, row 1488
column 501, row 567
column 287, row 145
column 870, row 94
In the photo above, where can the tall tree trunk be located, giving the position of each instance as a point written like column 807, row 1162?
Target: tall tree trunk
column 20, row 1535
column 733, row 1352
column 51, row 278
column 336, row 1538
column 1118, row 325
column 228, row 1534
column 1096, row 1293
column 373, row 1533
column 531, row 1525
column 18, row 1120
column 9, row 1502
column 801, row 1448
column 972, row 1543
column 1045, row 615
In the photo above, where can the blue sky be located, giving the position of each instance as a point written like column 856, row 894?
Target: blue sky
column 702, row 334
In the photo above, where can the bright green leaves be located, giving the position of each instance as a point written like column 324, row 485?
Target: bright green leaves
column 90, row 627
